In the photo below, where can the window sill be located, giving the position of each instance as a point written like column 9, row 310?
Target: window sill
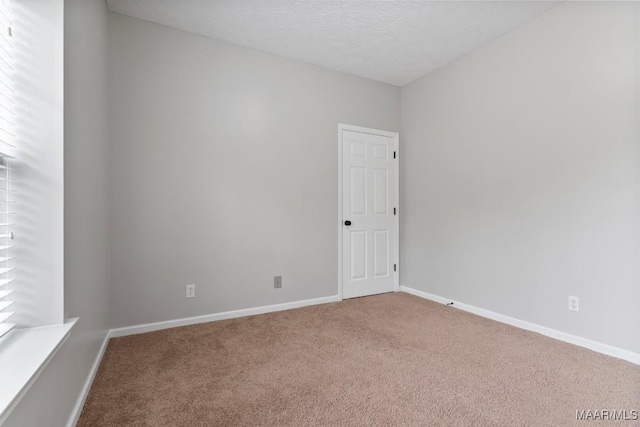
column 24, row 354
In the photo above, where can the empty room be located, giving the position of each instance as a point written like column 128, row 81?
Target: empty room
column 319, row 213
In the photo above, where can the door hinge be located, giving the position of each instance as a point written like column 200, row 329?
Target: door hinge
column 394, row 267
column 394, row 154
column 394, row 211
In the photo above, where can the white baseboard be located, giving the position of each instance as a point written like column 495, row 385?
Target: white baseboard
column 552, row 333
column 150, row 327
column 77, row 409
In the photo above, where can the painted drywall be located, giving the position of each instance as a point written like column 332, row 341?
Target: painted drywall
column 393, row 42
column 225, row 172
column 52, row 398
column 520, row 174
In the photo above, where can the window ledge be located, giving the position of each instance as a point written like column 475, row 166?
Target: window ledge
column 24, row 353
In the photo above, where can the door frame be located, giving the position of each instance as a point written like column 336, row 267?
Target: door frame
column 396, row 144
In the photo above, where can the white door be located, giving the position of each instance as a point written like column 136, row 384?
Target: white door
column 369, row 211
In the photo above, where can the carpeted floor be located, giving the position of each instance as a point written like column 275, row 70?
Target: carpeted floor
column 387, row 360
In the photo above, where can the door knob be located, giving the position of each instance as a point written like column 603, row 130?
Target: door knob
column 347, row 223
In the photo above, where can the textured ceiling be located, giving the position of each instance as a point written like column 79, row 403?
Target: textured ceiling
column 391, row 41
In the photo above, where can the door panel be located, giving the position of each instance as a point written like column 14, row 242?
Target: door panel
column 380, row 152
column 358, row 191
column 381, row 253
column 368, row 181
column 358, row 255
column 380, row 192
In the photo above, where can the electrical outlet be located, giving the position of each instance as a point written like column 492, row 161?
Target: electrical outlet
column 277, row 282
column 190, row 291
column 574, row 303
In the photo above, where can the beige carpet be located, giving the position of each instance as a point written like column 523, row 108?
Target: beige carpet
column 387, row 360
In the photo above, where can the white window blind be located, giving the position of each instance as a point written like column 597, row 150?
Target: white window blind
column 7, row 152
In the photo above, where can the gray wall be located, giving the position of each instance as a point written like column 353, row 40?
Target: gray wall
column 520, row 174
column 52, row 398
column 225, row 165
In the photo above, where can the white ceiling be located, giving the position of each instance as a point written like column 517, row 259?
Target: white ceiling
column 394, row 42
